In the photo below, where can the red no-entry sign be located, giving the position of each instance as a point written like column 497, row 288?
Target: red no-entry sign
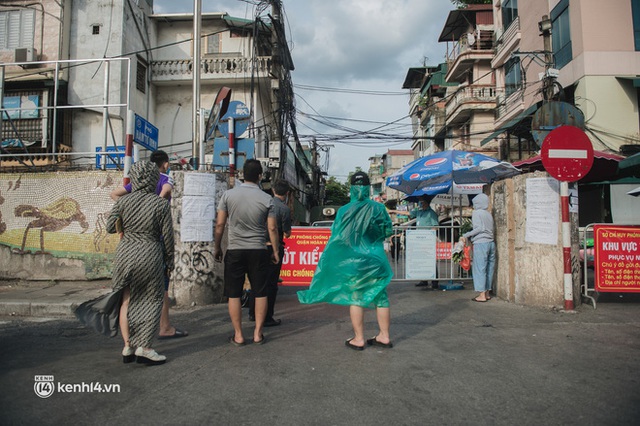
column 567, row 153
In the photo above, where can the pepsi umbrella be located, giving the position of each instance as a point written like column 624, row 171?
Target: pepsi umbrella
column 440, row 172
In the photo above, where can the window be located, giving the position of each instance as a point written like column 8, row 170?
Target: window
column 95, row 30
column 509, row 12
column 141, row 76
column 17, row 28
column 635, row 11
column 561, row 34
column 512, row 76
column 213, row 44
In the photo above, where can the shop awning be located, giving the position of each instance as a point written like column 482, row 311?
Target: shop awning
column 629, row 162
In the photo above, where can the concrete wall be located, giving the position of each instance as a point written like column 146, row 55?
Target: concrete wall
column 529, row 273
column 197, row 279
column 79, row 248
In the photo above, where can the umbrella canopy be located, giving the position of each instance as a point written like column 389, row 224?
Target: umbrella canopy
column 439, row 173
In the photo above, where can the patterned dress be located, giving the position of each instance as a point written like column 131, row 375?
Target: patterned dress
column 143, row 252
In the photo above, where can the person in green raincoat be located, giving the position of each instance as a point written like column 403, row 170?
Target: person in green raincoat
column 354, row 269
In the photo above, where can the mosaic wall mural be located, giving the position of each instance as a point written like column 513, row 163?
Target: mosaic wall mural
column 60, row 213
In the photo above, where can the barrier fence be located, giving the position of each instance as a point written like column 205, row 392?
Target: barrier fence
column 425, row 254
column 610, row 258
column 415, row 254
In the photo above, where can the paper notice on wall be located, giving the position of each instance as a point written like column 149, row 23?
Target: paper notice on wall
column 202, row 184
column 196, row 230
column 543, row 201
column 573, row 200
column 198, row 207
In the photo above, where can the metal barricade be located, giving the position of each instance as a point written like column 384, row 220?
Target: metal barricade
column 402, row 251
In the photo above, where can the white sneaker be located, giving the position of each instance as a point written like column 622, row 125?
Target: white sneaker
column 127, row 355
column 149, row 356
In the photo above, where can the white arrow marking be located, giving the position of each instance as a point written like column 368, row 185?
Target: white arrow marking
column 568, row 153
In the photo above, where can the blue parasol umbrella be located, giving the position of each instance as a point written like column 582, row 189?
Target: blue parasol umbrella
column 441, row 172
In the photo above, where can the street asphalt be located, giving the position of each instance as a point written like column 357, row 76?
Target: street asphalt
column 455, row 362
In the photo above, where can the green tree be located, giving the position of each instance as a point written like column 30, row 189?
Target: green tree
column 336, row 193
column 461, row 4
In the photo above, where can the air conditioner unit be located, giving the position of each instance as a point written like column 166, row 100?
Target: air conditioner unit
column 26, row 54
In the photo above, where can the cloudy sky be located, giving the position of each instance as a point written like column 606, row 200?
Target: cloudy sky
column 351, row 58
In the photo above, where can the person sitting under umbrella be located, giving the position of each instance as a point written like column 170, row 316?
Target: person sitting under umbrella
column 425, row 218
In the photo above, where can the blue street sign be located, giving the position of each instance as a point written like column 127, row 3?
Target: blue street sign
column 241, row 115
column 113, row 161
column 145, row 133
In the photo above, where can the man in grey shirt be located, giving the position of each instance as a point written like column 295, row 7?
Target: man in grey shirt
column 283, row 218
column 251, row 217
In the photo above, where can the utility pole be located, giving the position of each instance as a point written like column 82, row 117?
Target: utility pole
column 195, row 111
column 548, row 81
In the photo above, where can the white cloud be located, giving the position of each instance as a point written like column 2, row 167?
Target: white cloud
column 351, row 44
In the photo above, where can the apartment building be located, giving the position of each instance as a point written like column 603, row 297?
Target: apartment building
column 428, row 95
column 392, row 161
column 594, row 58
column 469, row 109
column 71, row 70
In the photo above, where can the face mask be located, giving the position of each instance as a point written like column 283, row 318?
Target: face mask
column 168, row 170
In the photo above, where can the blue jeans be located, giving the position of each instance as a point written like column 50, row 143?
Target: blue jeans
column 484, row 263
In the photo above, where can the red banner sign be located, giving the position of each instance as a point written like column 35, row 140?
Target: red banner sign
column 302, row 251
column 617, row 258
column 443, row 250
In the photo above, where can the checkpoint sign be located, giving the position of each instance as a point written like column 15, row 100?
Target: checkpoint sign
column 567, row 153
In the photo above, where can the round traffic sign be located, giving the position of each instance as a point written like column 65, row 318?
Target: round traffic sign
column 567, row 153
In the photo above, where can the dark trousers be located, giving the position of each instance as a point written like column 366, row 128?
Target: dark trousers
column 273, row 277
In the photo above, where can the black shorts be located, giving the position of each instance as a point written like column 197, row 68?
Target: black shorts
column 253, row 263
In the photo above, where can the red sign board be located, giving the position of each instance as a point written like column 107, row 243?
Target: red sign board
column 302, row 252
column 567, row 153
column 617, row 258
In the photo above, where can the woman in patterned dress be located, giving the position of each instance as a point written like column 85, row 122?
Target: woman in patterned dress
column 144, row 250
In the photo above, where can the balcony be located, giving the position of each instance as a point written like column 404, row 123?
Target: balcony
column 508, row 106
column 506, row 44
column 469, row 99
column 435, row 115
column 467, row 51
column 229, row 68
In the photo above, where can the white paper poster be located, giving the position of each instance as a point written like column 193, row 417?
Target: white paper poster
column 573, row 200
column 543, row 211
column 421, row 254
column 196, row 230
column 198, row 207
column 203, row 184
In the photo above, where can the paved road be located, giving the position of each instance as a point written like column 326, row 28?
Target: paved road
column 456, row 362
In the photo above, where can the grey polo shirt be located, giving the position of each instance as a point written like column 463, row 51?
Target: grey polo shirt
column 283, row 218
column 247, row 207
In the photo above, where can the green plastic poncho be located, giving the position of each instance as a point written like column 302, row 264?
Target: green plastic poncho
column 354, row 269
